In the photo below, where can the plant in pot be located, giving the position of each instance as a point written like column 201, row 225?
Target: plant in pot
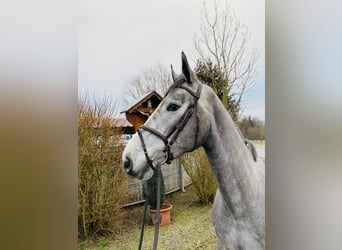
column 150, row 193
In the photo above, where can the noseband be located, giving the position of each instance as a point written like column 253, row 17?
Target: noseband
column 169, row 139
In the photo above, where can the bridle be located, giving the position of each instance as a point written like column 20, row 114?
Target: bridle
column 168, row 141
column 171, row 137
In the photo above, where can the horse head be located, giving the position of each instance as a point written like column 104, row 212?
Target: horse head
column 172, row 129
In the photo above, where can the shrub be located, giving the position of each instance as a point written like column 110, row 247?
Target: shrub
column 100, row 173
column 198, row 168
column 252, row 128
column 150, row 188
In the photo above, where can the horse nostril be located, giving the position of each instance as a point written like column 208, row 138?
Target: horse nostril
column 128, row 164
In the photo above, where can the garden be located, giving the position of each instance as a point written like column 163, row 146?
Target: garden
column 104, row 222
column 190, row 227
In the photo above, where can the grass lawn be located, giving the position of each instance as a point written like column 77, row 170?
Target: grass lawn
column 190, row 227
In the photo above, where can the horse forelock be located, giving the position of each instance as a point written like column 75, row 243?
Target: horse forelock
column 179, row 80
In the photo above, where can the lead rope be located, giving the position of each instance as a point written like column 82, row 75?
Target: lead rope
column 157, row 217
column 143, row 223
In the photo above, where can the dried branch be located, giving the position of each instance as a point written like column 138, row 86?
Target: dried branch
column 157, row 78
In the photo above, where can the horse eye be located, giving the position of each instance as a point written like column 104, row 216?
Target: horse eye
column 172, row 107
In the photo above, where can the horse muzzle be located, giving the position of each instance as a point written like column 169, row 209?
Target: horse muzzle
column 128, row 165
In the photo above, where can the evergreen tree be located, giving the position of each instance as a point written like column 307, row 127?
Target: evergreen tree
column 150, row 189
column 252, row 128
column 211, row 75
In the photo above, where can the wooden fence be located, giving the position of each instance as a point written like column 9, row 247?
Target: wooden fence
column 175, row 179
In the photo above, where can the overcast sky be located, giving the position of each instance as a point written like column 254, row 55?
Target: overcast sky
column 119, row 39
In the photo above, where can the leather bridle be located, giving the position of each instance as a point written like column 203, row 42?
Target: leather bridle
column 169, row 139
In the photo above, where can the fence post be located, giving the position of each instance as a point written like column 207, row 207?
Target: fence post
column 141, row 191
column 180, row 174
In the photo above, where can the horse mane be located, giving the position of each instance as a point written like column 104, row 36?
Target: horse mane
column 251, row 148
column 248, row 144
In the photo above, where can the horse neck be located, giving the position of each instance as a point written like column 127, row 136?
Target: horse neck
column 231, row 163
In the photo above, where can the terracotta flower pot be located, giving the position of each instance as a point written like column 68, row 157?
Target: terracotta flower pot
column 165, row 211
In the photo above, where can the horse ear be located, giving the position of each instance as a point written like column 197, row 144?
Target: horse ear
column 173, row 74
column 186, row 68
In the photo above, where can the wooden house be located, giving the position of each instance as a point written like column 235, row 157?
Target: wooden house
column 141, row 110
column 125, row 128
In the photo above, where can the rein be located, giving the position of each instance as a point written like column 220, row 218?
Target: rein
column 168, row 141
column 157, row 216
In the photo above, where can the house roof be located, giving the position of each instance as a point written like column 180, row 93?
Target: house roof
column 119, row 122
column 142, row 100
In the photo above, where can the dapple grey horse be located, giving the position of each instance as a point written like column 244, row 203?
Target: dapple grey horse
column 183, row 122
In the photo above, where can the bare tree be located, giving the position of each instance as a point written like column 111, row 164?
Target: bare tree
column 223, row 40
column 102, row 106
column 156, row 78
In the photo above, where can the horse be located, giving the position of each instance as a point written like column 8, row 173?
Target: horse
column 191, row 116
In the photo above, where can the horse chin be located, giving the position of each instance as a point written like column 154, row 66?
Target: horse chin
column 148, row 174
